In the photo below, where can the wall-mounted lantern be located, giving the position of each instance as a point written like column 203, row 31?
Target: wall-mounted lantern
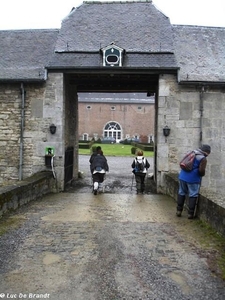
column 166, row 131
column 52, row 128
column 149, row 94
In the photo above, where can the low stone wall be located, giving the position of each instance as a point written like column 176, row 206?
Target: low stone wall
column 32, row 188
column 211, row 205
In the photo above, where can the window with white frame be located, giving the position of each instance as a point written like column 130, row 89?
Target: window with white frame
column 85, row 137
column 113, row 129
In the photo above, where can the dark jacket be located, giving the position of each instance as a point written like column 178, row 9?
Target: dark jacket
column 92, row 157
column 99, row 161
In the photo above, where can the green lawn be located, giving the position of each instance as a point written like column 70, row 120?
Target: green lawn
column 115, row 150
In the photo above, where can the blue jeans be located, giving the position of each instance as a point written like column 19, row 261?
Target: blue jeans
column 190, row 189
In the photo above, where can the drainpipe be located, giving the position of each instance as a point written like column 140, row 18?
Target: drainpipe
column 201, row 113
column 22, row 91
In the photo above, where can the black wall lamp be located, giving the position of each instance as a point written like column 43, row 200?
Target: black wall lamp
column 149, row 94
column 166, row 131
column 52, row 128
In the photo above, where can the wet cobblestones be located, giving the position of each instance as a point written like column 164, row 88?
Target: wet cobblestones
column 116, row 245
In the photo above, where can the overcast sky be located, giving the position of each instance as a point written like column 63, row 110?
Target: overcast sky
column 27, row 14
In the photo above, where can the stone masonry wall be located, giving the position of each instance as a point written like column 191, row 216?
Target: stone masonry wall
column 179, row 108
column 210, row 207
column 71, row 123
column 54, row 112
column 19, row 194
column 43, row 106
column 10, row 119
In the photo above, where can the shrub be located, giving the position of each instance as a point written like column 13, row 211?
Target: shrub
column 85, row 144
column 133, row 150
column 98, row 141
column 126, row 142
column 93, row 149
column 146, row 147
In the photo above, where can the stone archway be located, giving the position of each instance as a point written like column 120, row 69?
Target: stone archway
column 109, row 82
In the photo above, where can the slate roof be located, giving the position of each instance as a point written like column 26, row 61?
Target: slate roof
column 146, row 34
column 24, row 54
column 95, row 25
column 200, row 52
column 133, row 26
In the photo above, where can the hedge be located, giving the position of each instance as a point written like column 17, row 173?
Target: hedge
column 144, row 147
column 85, row 144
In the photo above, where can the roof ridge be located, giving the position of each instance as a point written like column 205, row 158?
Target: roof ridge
column 197, row 26
column 30, row 30
column 116, row 2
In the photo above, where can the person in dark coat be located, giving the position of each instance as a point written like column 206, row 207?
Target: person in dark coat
column 97, row 150
column 190, row 181
column 99, row 166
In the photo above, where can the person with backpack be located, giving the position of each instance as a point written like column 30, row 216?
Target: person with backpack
column 96, row 151
column 190, row 180
column 99, row 166
column 140, row 166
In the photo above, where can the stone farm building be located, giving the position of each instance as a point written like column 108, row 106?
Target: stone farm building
column 111, row 47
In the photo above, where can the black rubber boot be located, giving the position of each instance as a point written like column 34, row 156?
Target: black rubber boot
column 180, row 205
column 192, row 204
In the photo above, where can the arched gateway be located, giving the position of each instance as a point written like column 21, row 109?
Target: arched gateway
column 110, row 47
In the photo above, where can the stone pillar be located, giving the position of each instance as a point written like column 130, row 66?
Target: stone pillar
column 71, row 122
column 54, row 113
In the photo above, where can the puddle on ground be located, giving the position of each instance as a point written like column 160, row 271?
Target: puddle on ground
column 51, row 258
column 181, row 280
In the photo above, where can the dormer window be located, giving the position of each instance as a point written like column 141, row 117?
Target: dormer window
column 112, row 56
column 112, row 59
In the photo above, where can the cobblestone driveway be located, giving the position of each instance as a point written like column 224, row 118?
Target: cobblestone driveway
column 119, row 179
column 112, row 246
